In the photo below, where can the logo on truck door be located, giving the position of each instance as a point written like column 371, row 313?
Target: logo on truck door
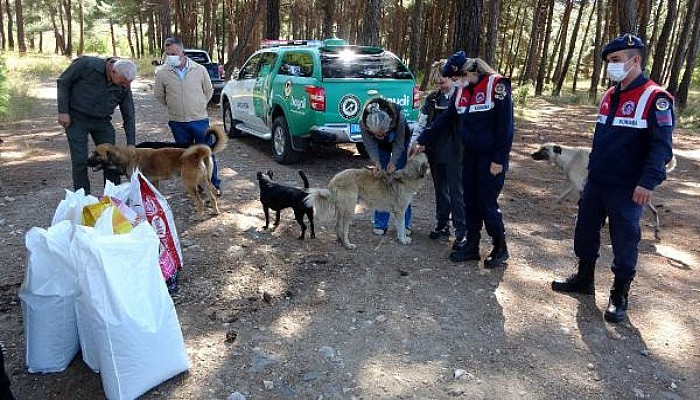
column 349, row 106
column 288, row 88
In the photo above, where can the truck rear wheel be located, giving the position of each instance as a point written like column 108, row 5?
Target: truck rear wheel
column 282, row 150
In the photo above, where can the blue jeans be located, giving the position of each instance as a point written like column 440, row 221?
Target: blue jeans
column 193, row 132
column 381, row 218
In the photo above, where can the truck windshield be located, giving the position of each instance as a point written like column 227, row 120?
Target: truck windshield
column 349, row 63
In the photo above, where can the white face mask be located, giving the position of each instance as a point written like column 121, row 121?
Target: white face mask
column 616, row 71
column 173, row 60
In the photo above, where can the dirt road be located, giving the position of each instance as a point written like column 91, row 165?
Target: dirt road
column 385, row 321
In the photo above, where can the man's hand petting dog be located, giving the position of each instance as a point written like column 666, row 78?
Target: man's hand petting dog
column 415, row 149
column 495, row 169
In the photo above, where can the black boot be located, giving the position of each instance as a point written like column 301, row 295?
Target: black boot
column 617, row 305
column 466, row 249
column 499, row 253
column 581, row 282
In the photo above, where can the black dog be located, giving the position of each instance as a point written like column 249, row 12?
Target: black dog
column 210, row 140
column 278, row 197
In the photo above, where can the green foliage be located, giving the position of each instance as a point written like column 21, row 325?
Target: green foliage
column 4, row 92
column 521, row 93
column 19, row 75
column 96, row 44
column 690, row 117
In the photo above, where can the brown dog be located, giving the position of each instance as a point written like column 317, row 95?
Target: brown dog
column 193, row 164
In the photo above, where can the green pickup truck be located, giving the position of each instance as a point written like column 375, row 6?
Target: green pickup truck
column 299, row 92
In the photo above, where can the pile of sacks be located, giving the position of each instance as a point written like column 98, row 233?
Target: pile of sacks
column 101, row 289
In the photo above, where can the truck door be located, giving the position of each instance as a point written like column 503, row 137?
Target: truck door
column 261, row 91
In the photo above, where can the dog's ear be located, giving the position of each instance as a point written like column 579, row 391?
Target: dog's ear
column 269, row 173
column 556, row 149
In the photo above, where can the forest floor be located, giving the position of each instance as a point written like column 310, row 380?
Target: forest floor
column 384, row 321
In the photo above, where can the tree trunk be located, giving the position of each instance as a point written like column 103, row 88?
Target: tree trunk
column 542, row 70
column 583, row 45
column 651, row 44
column 151, row 34
column 570, row 54
column 370, row 28
column 681, row 50
column 627, row 16
column 643, row 11
column 672, row 44
column 416, row 35
column 69, row 28
column 3, row 42
column 660, row 48
column 517, row 47
column 250, row 20
column 19, row 13
column 502, row 45
column 10, row 38
column 81, row 29
column 272, row 29
column 113, row 39
column 468, row 15
column 597, row 61
column 328, row 15
column 492, row 33
column 562, row 42
column 691, row 59
column 165, row 21
column 538, row 15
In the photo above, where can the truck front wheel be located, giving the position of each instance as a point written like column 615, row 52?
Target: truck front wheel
column 282, row 150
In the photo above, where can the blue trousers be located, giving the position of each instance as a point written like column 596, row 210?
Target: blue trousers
column 381, row 218
column 481, row 191
column 193, row 132
column 597, row 203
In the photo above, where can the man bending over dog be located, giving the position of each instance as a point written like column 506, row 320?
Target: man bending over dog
column 631, row 146
column 88, row 92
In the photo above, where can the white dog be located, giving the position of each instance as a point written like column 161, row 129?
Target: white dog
column 573, row 161
column 390, row 192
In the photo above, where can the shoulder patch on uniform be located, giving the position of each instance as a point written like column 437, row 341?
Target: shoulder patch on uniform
column 662, row 104
column 500, row 88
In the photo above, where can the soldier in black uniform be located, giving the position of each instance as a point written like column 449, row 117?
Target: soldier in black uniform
column 482, row 110
column 632, row 144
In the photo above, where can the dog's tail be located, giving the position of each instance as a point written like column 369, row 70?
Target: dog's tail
column 303, row 178
column 216, row 138
column 671, row 164
column 322, row 202
column 197, row 152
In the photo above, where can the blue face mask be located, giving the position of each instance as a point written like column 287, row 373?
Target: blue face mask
column 173, row 60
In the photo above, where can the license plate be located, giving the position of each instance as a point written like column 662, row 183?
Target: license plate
column 355, row 128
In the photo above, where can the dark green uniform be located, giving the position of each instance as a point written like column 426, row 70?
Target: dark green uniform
column 85, row 93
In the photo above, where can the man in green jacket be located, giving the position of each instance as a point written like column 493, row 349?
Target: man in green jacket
column 88, row 92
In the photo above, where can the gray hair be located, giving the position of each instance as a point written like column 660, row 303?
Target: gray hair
column 378, row 121
column 174, row 41
column 125, row 68
column 477, row 65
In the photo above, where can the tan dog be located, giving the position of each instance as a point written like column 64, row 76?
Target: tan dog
column 391, row 192
column 193, row 164
column 573, row 161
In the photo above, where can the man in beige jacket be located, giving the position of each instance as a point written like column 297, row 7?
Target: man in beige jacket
column 184, row 87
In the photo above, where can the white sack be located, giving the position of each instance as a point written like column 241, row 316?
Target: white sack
column 48, row 296
column 127, row 318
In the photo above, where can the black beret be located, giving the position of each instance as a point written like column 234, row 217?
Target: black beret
column 454, row 64
column 624, row 42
